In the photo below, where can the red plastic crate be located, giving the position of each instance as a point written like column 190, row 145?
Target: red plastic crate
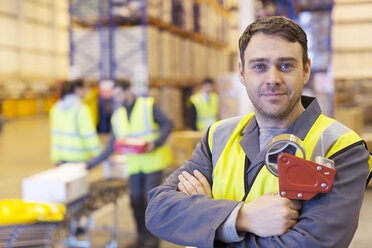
column 130, row 145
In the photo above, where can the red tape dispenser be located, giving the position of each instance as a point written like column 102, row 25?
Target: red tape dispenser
column 298, row 178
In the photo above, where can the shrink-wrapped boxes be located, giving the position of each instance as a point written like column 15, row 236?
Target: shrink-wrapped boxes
column 166, row 11
column 154, row 8
column 63, row 184
column 189, row 15
column 167, row 55
column 154, row 52
column 177, row 58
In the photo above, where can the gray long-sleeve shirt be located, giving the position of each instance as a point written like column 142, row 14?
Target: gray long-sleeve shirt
column 165, row 128
column 327, row 220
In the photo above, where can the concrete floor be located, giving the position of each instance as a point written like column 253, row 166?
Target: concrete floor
column 24, row 150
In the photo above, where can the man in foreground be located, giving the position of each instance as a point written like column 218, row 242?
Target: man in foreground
column 224, row 195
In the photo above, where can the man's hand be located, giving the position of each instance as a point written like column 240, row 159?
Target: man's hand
column 85, row 166
column 150, row 147
column 194, row 184
column 268, row 215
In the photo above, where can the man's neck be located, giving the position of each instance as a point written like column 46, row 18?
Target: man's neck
column 129, row 102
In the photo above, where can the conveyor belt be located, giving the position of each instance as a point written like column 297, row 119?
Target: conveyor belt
column 35, row 235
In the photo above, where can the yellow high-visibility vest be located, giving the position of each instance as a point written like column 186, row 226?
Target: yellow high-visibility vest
column 229, row 158
column 206, row 111
column 73, row 135
column 141, row 125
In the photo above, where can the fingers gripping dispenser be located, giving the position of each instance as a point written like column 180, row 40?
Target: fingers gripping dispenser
column 299, row 178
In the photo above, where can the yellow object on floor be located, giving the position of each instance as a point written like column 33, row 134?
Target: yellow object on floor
column 17, row 211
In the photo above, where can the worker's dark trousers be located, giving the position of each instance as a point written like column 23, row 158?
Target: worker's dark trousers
column 140, row 184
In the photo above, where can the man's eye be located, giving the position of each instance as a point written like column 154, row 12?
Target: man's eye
column 286, row 67
column 259, row 67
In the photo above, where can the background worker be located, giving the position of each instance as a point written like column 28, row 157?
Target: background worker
column 203, row 106
column 224, row 196
column 140, row 118
column 73, row 135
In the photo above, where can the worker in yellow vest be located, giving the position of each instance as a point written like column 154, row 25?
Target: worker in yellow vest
column 224, row 196
column 203, row 106
column 139, row 117
column 73, row 135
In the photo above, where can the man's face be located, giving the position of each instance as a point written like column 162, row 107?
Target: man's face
column 81, row 91
column 274, row 75
column 207, row 88
column 118, row 95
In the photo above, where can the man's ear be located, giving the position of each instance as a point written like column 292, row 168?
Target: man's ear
column 307, row 71
column 241, row 72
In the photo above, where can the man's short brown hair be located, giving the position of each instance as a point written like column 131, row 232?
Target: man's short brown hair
column 275, row 25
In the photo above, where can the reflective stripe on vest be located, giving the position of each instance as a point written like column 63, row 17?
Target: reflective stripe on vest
column 206, row 111
column 141, row 125
column 325, row 136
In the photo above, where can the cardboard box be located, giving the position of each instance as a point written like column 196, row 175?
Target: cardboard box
column 182, row 145
column 351, row 117
column 63, row 184
column 172, row 105
column 115, row 168
column 368, row 139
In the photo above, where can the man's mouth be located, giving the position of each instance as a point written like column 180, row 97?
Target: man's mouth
column 273, row 94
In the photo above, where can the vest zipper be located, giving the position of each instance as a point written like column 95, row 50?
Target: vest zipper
column 247, row 186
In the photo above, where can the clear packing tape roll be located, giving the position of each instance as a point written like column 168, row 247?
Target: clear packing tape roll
column 287, row 143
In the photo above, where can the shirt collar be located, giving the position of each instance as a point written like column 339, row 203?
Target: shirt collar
column 300, row 127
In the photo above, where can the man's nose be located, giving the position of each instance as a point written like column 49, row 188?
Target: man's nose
column 273, row 76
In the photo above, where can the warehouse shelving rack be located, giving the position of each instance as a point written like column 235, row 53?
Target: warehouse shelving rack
column 122, row 42
column 319, row 40
column 96, row 16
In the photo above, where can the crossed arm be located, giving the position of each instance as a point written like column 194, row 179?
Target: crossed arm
column 267, row 215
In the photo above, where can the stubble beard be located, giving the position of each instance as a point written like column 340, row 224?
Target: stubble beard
column 279, row 115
